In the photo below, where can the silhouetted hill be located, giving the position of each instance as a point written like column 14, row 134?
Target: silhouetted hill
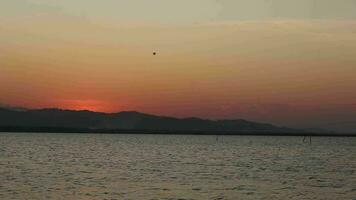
column 56, row 119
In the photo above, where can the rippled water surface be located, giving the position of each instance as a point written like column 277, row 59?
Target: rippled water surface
column 95, row 166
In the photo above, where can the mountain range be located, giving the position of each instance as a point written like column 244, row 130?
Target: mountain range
column 57, row 120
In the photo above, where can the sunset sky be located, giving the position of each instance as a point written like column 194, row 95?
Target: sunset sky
column 287, row 62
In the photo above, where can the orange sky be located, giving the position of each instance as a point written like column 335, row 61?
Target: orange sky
column 289, row 71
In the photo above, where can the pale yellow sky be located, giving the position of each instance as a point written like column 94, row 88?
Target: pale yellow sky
column 263, row 63
column 184, row 11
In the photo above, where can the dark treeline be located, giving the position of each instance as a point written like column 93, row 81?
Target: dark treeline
column 168, row 132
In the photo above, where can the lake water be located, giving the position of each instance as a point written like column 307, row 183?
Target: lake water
column 175, row 167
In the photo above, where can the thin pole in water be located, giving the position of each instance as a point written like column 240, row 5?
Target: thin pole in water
column 305, row 137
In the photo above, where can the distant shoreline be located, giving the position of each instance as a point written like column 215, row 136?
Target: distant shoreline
column 167, row 132
column 132, row 122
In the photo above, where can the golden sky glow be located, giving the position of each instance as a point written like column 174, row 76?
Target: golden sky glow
column 290, row 64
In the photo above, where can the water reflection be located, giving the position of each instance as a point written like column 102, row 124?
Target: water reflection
column 94, row 166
